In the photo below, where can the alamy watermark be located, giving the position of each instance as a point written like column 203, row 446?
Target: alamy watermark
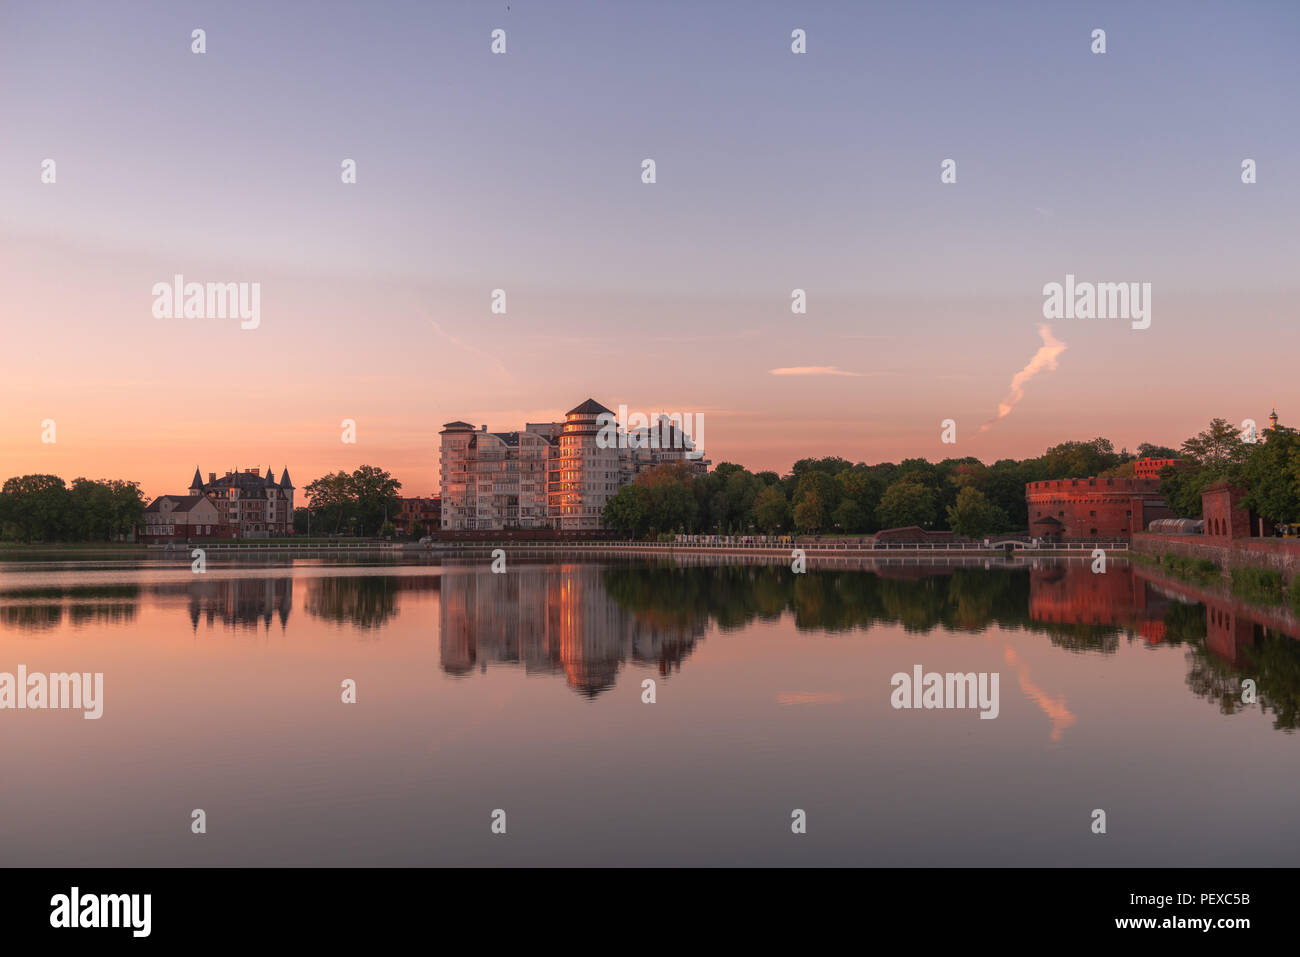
column 129, row 911
column 1102, row 300
column 950, row 690
column 659, row 430
column 55, row 691
column 211, row 300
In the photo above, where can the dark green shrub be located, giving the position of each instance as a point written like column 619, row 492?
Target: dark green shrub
column 1262, row 585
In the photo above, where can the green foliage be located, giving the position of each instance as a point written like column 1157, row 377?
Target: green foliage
column 1148, row 451
column 1078, row 459
column 1201, row 571
column 628, row 512
column 1260, row 585
column 772, row 511
column 904, row 503
column 1219, row 445
column 974, row 516
column 358, row 500
column 43, row 508
column 1271, row 475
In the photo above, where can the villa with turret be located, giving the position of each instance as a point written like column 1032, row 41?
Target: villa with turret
column 238, row 504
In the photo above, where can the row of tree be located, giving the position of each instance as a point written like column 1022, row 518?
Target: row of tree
column 1269, row 470
column 834, row 496
column 44, row 508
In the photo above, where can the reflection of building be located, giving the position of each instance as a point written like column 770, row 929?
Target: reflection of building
column 1069, row 593
column 1093, row 507
column 1230, row 635
column 556, row 618
column 239, row 601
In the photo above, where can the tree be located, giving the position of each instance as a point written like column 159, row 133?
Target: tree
column 771, row 510
column 1220, row 444
column 374, row 495
column 1148, row 451
column 809, row 514
column 331, row 498
column 387, row 530
column 628, row 512
column 816, row 496
column 1271, row 476
column 849, row 516
column 672, row 501
column 974, row 516
column 90, row 511
column 906, row 503
column 1078, row 459
column 1181, row 489
column 128, row 506
column 37, row 506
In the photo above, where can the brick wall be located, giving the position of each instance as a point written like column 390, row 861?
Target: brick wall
column 1280, row 554
column 1096, row 507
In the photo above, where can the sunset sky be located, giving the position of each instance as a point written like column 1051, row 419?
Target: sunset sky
column 522, row 171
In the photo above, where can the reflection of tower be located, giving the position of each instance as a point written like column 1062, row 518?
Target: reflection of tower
column 241, row 601
column 549, row 619
column 591, row 630
column 456, row 638
column 1071, row 594
column 1228, row 634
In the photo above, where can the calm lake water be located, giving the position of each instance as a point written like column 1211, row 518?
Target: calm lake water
column 523, row 692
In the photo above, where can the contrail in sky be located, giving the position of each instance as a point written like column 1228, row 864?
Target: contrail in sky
column 1044, row 358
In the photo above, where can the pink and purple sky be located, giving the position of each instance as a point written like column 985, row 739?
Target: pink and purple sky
column 523, row 172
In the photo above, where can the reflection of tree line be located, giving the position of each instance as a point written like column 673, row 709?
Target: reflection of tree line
column 1076, row 610
column 45, row 608
column 1225, row 647
column 918, row 598
column 587, row 621
column 366, row 602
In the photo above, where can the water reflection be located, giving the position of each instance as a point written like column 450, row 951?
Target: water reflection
column 240, row 602
column 564, row 619
column 587, row 621
column 44, row 607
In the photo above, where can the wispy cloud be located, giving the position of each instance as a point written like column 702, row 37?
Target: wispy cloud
column 813, row 370
column 1044, row 358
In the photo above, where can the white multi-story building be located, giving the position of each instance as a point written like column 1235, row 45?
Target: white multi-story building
column 550, row 475
column 495, row 479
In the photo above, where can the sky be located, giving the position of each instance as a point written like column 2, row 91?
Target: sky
column 522, row 171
